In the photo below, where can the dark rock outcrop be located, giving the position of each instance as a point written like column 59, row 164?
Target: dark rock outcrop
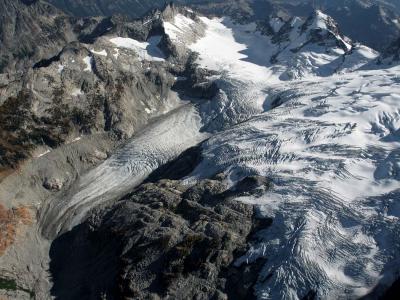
column 391, row 55
column 163, row 241
column 251, row 185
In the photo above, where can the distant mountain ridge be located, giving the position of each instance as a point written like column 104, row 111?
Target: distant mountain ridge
column 373, row 23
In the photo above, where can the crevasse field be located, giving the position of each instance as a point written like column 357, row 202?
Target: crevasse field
column 321, row 121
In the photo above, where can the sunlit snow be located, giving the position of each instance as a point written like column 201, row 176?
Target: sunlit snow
column 88, row 62
column 145, row 50
column 102, row 52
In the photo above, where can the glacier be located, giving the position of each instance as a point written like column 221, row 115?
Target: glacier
column 334, row 200
column 330, row 145
column 310, row 111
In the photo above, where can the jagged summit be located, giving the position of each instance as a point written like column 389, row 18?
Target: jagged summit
column 325, row 28
column 292, row 48
column 167, row 13
column 321, row 20
column 318, row 28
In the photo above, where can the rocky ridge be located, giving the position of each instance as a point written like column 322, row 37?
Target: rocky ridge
column 164, row 240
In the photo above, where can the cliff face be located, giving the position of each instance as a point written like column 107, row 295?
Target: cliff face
column 131, row 8
column 30, row 30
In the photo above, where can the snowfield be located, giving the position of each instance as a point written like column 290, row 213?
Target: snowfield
column 180, row 25
column 145, row 50
column 291, row 53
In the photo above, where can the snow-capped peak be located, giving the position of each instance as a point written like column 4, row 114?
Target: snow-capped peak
column 320, row 20
column 322, row 28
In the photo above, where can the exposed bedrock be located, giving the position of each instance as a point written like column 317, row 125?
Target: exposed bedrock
column 165, row 240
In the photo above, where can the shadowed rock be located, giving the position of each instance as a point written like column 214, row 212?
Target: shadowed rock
column 164, row 240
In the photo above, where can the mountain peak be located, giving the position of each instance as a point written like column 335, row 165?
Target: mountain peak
column 320, row 20
column 323, row 28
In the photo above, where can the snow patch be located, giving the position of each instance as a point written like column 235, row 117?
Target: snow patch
column 178, row 26
column 43, row 154
column 145, row 50
column 88, row 62
column 74, row 140
column 116, row 54
column 102, row 52
column 60, row 68
column 276, row 24
column 76, row 92
column 220, row 51
column 320, row 20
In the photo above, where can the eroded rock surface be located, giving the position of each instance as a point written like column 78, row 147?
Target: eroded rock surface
column 165, row 240
column 11, row 223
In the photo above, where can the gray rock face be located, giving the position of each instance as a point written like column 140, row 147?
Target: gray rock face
column 133, row 8
column 80, row 93
column 371, row 23
column 164, row 240
column 251, row 185
column 36, row 31
column 30, row 31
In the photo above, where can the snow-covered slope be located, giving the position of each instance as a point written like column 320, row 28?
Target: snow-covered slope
column 145, row 50
column 331, row 148
column 332, row 152
column 290, row 50
column 250, row 58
